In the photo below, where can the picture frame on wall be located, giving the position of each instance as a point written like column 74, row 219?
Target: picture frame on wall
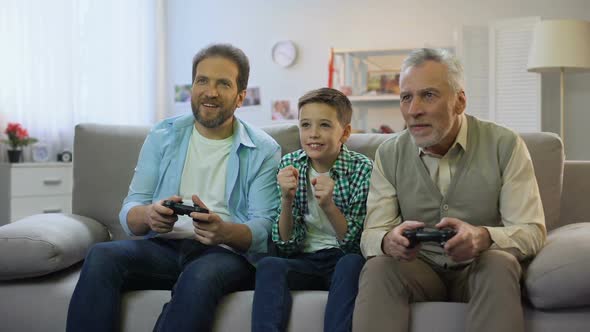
column 282, row 110
column 252, row 97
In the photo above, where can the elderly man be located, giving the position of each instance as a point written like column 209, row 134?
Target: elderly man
column 448, row 171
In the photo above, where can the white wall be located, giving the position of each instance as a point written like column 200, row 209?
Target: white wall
column 315, row 26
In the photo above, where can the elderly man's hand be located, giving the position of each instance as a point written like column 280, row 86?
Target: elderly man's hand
column 396, row 245
column 469, row 241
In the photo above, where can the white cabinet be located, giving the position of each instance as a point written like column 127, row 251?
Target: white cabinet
column 32, row 188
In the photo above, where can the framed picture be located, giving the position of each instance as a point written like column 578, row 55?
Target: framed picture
column 252, row 97
column 40, row 152
column 281, row 110
column 383, row 82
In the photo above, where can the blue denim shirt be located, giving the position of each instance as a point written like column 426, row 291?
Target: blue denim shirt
column 251, row 191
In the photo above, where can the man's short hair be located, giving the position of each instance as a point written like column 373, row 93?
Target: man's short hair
column 331, row 97
column 454, row 67
column 231, row 53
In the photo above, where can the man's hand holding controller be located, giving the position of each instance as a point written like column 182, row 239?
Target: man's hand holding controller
column 160, row 218
column 460, row 240
column 181, row 209
column 396, row 245
column 163, row 214
column 209, row 228
column 468, row 241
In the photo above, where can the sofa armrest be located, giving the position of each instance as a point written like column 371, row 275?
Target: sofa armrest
column 44, row 243
column 576, row 190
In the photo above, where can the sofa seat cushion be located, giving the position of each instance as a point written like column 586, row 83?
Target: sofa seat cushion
column 559, row 277
column 44, row 243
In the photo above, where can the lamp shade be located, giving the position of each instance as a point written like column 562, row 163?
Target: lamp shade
column 560, row 44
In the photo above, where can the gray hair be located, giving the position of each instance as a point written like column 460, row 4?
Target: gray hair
column 418, row 56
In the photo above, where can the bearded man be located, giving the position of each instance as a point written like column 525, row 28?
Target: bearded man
column 210, row 159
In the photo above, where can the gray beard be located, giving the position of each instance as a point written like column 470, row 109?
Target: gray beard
column 423, row 144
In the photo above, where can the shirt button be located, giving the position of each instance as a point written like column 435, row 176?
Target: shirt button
column 446, row 207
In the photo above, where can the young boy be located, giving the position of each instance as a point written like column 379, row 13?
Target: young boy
column 324, row 189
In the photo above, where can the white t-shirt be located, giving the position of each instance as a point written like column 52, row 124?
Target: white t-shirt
column 320, row 232
column 204, row 174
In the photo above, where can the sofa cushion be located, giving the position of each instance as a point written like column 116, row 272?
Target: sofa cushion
column 559, row 277
column 287, row 135
column 104, row 161
column 44, row 243
column 367, row 144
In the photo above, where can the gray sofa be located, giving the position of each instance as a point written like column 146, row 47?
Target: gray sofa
column 40, row 256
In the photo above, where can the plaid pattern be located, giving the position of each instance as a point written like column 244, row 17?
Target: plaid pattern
column 351, row 174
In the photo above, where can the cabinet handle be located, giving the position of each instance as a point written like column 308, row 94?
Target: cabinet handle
column 51, row 182
column 57, row 210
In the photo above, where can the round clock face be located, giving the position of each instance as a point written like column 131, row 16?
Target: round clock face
column 66, row 156
column 284, row 53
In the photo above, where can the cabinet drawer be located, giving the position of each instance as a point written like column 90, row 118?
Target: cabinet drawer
column 25, row 206
column 36, row 181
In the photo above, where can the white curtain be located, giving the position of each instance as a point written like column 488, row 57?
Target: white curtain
column 64, row 62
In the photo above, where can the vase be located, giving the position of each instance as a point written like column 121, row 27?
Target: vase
column 15, row 156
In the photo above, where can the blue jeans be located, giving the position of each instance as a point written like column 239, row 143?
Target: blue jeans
column 198, row 275
column 328, row 269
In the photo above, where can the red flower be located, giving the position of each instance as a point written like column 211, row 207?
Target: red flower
column 17, row 136
column 12, row 128
column 22, row 133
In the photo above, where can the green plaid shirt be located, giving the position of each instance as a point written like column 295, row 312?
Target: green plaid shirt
column 351, row 174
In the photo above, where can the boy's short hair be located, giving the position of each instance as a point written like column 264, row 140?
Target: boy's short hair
column 331, row 97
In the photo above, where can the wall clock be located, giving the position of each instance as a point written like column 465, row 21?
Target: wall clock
column 284, row 53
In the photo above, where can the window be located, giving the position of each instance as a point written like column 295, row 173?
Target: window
column 72, row 61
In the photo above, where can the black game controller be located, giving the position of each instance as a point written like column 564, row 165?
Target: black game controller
column 178, row 208
column 420, row 235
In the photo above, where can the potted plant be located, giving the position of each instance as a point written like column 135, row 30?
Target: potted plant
column 18, row 137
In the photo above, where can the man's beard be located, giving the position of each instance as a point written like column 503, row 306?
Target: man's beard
column 222, row 116
column 426, row 143
column 436, row 137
